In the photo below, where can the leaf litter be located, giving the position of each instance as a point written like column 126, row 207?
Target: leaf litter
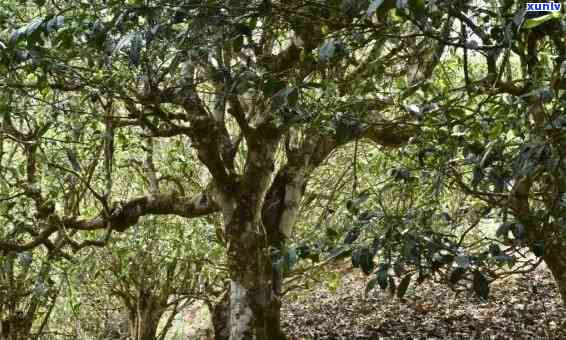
column 525, row 306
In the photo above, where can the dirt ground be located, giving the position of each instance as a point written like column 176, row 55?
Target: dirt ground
column 522, row 307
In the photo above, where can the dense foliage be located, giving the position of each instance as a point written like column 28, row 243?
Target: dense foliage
column 155, row 153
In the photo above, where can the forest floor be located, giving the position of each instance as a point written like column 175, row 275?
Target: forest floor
column 521, row 307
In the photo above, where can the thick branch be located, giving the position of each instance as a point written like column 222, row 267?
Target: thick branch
column 390, row 134
column 124, row 216
column 128, row 214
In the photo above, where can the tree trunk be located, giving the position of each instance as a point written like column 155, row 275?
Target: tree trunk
column 142, row 328
column 143, row 322
column 254, row 308
column 221, row 317
column 253, row 230
column 15, row 329
column 250, row 309
column 555, row 259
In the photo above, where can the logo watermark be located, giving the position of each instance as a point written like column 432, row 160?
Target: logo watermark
column 543, row 7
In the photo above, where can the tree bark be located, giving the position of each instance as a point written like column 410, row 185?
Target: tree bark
column 15, row 329
column 555, row 259
column 254, row 307
column 143, row 322
column 254, row 231
column 221, row 317
column 554, row 248
column 250, row 309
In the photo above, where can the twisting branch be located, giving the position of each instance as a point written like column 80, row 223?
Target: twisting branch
column 128, row 213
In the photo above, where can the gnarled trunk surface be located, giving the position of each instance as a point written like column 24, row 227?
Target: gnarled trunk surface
column 258, row 220
column 254, row 306
column 555, row 259
column 250, row 309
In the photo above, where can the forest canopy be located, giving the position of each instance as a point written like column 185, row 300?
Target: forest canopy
column 155, row 154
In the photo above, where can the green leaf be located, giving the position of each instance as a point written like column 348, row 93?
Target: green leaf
column 456, row 275
column 366, row 260
column 381, row 276
column 518, row 231
column 371, row 284
column 410, row 250
column 32, row 27
column 353, row 205
column 373, row 7
column 352, row 235
column 538, row 248
column 403, row 285
column 290, row 258
column 238, row 43
column 331, row 233
column 481, row 285
column 293, row 97
column 505, row 259
column 272, row 86
column 418, row 6
column 534, row 22
column 327, row 50
column 462, row 261
column 76, row 307
column 333, row 281
column 15, row 36
column 64, row 39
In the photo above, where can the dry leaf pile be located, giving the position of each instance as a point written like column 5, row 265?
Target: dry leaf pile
column 520, row 307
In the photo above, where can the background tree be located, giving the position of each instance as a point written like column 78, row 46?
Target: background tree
column 162, row 275
column 152, row 271
column 28, row 294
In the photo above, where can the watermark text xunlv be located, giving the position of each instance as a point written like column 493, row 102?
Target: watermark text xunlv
column 538, row 6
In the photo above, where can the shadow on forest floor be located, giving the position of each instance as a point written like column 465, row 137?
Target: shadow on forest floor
column 521, row 307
